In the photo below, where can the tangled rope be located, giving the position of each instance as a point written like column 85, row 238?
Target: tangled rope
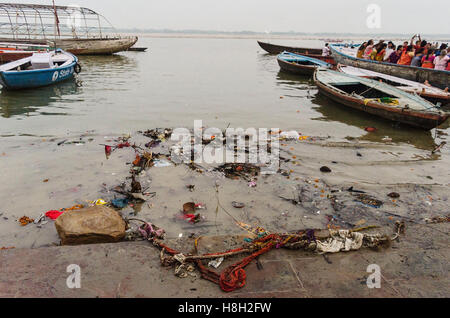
column 235, row 277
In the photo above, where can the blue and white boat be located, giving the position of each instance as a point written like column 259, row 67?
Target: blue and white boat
column 300, row 64
column 40, row 69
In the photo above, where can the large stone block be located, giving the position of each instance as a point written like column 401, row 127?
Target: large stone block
column 93, row 225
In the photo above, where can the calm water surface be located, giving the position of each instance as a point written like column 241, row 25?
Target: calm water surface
column 220, row 81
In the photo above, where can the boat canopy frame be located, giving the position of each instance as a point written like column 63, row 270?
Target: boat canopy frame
column 46, row 22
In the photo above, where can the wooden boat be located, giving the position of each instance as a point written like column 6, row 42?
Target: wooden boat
column 277, row 49
column 84, row 31
column 379, row 99
column 314, row 53
column 299, row 64
column 23, row 46
column 105, row 46
column 40, row 69
column 137, row 49
column 13, row 55
column 14, row 51
column 345, row 54
column 430, row 93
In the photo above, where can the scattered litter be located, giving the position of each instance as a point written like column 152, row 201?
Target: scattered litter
column 438, row 219
column 123, row 145
column 193, row 218
column 351, row 189
column 158, row 134
column 189, row 207
column 238, row 205
column 189, row 212
column 120, row 203
column 252, row 184
column 40, row 218
column 368, row 201
column 138, row 196
column 439, row 148
column 191, row 187
column 400, row 227
column 394, row 195
column 342, row 240
column 236, row 171
column 216, row 263
column 387, row 139
column 153, row 144
column 293, row 201
column 75, row 207
column 25, row 220
column 161, row 163
column 370, row 129
column 99, row 202
column 289, row 135
column 53, row 215
column 325, row 169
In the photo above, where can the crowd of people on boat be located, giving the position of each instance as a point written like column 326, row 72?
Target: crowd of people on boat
column 419, row 53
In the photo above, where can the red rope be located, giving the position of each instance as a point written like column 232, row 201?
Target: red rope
column 233, row 277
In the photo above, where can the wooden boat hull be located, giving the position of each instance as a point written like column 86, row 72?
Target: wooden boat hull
column 37, row 78
column 326, row 59
column 97, row 47
column 413, row 118
column 436, row 78
column 299, row 64
column 427, row 92
column 9, row 56
column 297, row 69
column 277, row 49
column 105, row 46
column 137, row 49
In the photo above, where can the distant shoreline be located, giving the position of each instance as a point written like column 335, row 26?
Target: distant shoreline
column 268, row 37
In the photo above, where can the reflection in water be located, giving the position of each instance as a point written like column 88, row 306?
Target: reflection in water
column 332, row 111
column 295, row 81
column 30, row 102
column 108, row 72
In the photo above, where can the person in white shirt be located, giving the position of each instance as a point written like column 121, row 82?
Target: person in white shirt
column 326, row 50
column 390, row 49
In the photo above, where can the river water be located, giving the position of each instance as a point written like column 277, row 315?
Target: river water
column 178, row 80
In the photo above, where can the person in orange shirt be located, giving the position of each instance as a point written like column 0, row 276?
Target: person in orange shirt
column 407, row 56
column 361, row 50
column 428, row 59
column 381, row 52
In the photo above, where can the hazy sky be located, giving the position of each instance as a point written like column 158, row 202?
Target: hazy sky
column 399, row 16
